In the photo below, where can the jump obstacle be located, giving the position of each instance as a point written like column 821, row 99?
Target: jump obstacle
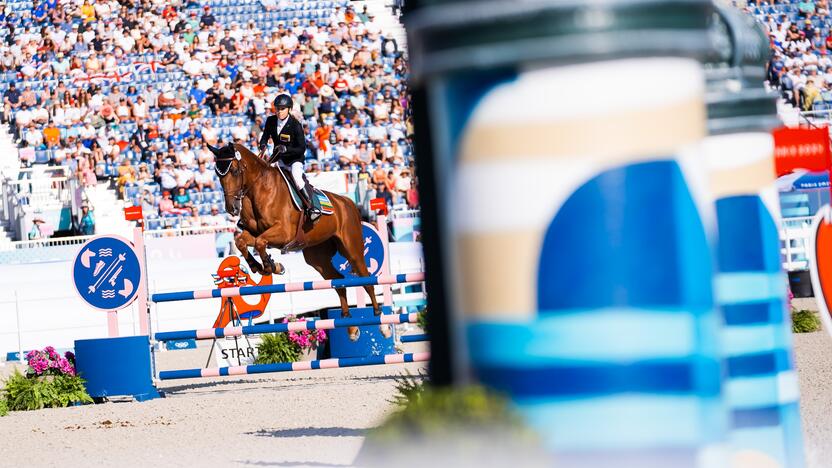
column 294, row 366
column 415, row 338
column 212, row 333
column 326, row 324
column 289, row 287
column 126, row 365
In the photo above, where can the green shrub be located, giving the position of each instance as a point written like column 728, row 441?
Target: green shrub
column 31, row 393
column 805, row 321
column 423, row 320
column 4, row 408
column 408, row 388
column 429, row 411
column 275, row 348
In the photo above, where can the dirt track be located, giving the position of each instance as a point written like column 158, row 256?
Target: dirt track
column 315, row 418
column 306, row 418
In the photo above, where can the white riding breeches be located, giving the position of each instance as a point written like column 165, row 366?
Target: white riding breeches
column 297, row 174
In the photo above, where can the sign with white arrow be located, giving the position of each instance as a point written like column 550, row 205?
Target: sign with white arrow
column 106, row 272
column 373, row 253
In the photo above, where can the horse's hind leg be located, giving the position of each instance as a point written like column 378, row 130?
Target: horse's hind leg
column 355, row 255
column 243, row 240
column 319, row 257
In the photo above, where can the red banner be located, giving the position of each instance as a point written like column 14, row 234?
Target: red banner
column 133, row 213
column 801, row 148
column 379, row 204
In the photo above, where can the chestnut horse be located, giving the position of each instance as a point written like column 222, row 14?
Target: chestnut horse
column 258, row 194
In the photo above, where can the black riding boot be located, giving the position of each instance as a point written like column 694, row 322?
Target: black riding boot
column 310, row 206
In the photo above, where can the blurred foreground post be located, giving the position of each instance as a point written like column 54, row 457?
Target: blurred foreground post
column 568, row 263
column 761, row 386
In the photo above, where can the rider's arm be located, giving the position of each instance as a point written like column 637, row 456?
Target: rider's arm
column 264, row 139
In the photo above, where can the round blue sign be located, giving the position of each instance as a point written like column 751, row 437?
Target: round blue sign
column 107, row 273
column 373, row 253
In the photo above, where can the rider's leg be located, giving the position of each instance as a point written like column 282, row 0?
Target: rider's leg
column 304, row 190
column 297, row 175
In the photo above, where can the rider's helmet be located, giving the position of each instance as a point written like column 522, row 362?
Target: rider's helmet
column 283, row 100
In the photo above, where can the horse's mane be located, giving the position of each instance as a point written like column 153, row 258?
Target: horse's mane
column 245, row 151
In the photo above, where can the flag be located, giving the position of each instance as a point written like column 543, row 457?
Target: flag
column 119, row 77
column 152, row 65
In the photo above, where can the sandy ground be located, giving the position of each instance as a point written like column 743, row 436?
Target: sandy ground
column 813, row 358
column 315, row 418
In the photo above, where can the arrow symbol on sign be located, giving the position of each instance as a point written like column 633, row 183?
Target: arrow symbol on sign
column 128, row 288
column 107, row 272
column 85, row 257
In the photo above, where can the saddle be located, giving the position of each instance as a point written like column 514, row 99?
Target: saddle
column 320, row 201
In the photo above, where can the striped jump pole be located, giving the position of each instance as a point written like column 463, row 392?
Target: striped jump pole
column 212, row 333
column 294, row 366
column 289, row 287
column 415, row 338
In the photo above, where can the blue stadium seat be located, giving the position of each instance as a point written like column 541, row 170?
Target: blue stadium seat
column 41, row 156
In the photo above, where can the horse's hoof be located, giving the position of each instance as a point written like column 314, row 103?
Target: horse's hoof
column 354, row 333
column 385, row 330
column 281, row 269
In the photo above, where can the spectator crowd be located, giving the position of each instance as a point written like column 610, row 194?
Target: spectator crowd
column 134, row 91
column 801, row 61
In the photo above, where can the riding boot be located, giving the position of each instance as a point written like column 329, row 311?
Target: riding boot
column 310, row 195
column 306, row 200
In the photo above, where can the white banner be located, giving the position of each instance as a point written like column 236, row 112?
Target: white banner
column 239, row 351
column 335, row 182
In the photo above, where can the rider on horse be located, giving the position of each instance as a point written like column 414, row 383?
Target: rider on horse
column 289, row 148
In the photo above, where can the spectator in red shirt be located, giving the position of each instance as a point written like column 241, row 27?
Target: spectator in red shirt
column 341, row 86
column 412, row 195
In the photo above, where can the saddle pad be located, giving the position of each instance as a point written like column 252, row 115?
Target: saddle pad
column 321, row 200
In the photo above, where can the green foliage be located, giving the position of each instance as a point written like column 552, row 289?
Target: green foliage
column 805, row 321
column 431, row 412
column 275, row 348
column 4, row 408
column 408, row 388
column 31, row 393
column 423, row 320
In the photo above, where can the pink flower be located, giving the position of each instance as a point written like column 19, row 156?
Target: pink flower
column 50, row 351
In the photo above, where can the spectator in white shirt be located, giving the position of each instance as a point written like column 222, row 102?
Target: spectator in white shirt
column 239, row 131
column 203, row 178
column 184, row 176
column 215, row 218
column 347, row 132
column 40, row 115
column 165, row 124
column 33, row 136
column 187, row 156
column 140, row 108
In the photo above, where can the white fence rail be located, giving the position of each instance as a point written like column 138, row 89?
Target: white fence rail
column 795, row 239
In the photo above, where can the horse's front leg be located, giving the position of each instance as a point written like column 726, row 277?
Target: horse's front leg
column 243, row 240
column 261, row 243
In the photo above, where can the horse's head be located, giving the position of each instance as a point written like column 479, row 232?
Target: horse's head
column 229, row 166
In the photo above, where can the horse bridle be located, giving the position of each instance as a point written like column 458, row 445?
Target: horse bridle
column 242, row 191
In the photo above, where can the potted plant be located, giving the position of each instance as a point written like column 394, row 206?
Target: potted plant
column 307, row 340
column 50, row 381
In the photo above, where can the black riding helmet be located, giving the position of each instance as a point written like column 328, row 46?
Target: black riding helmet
column 283, row 100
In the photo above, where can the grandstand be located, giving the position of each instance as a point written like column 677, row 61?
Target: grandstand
column 111, row 104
